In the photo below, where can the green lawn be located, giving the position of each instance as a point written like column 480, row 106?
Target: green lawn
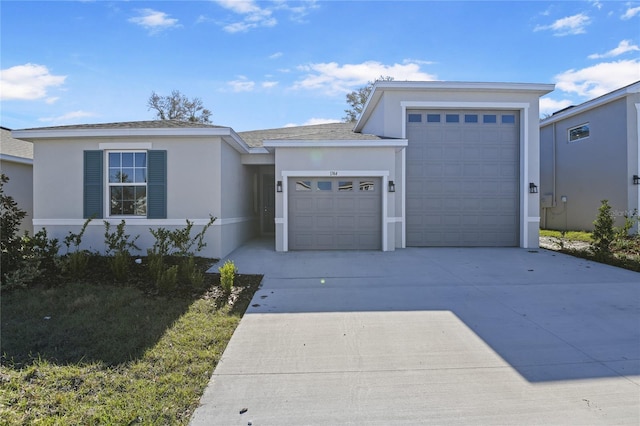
column 96, row 354
column 569, row 235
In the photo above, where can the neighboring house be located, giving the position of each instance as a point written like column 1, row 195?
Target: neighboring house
column 427, row 164
column 16, row 161
column 589, row 153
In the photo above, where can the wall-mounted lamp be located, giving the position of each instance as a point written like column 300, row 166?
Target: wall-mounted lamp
column 392, row 186
column 279, row 186
column 636, row 180
column 533, row 189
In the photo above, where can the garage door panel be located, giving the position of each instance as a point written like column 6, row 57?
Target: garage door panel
column 469, row 184
column 346, row 213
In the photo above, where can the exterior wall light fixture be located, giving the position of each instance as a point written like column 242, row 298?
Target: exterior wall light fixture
column 279, row 186
column 636, row 180
column 392, row 186
column 533, row 189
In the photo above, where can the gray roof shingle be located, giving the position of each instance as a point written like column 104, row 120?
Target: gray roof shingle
column 149, row 124
column 14, row 147
column 331, row 131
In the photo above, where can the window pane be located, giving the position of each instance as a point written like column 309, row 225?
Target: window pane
column 470, row 118
column 324, row 185
column 489, row 118
column 453, row 118
column 303, row 185
column 140, row 175
column 127, row 175
column 345, row 186
column 415, row 118
column 114, row 159
column 115, row 202
column 367, row 185
column 140, row 159
column 127, row 159
column 128, row 193
column 579, row 132
column 114, row 175
column 508, row 119
column 141, row 201
column 127, row 207
column 433, row 118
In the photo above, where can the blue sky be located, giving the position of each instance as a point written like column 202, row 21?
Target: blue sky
column 268, row 64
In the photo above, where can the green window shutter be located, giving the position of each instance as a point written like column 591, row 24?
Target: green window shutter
column 157, row 184
column 93, row 184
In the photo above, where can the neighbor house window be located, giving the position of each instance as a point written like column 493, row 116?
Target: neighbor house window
column 127, row 183
column 579, row 132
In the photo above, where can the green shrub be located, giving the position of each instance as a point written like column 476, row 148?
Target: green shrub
column 11, row 217
column 167, row 280
column 76, row 261
column 118, row 246
column 181, row 245
column 227, row 275
column 603, row 231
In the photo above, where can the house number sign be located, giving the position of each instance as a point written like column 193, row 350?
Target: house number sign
column 333, row 173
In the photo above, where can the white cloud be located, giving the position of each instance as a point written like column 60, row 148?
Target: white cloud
column 569, row 25
column 154, row 21
column 262, row 15
column 242, row 84
column 313, row 121
column 417, row 61
column 630, row 13
column 253, row 15
column 333, row 79
column 27, row 82
column 68, row 117
column 599, row 79
column 623, row 47
column 276, row 55
column 269, row 84
column 549, row 106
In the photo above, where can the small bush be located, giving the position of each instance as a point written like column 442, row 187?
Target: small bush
column 118, row 246
column 603, row 231
column 227, row 275
column 167, row 280
column 76, row 261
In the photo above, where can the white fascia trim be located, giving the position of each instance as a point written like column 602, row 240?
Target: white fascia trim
column 588, row 105
column 463, row 105
column 15, row 159
column 466, row 85
column 391, row 143
column 140, row 222
column 143, row 146
column 285, row 174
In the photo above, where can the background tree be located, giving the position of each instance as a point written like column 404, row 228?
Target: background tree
column 178, row 107
column 358, row 98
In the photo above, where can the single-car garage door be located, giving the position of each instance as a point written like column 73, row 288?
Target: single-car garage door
column 462, row 178
column 335, row 213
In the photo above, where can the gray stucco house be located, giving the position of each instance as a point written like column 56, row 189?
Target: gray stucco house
column 427, row 164
column 588, row 153
column 16, row 161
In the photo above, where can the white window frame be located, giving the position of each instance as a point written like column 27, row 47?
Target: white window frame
column 109, row 184
column 577, row 127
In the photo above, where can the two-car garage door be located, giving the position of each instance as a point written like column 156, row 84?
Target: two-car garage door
column 335, row 213
column 462, row 178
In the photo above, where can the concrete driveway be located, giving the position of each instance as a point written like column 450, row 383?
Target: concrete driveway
column 430, row 336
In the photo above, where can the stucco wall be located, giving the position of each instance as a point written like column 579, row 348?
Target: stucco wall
column 588, row 170
column 335, row 162
column 20, row 187
column 194, row 170
column 389, row 112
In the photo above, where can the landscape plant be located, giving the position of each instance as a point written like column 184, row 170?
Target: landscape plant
column 603, row 231
column 227, row 275
column 76, row 261
column 119, row 245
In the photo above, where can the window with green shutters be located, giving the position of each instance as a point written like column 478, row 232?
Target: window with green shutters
column 135, row 184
